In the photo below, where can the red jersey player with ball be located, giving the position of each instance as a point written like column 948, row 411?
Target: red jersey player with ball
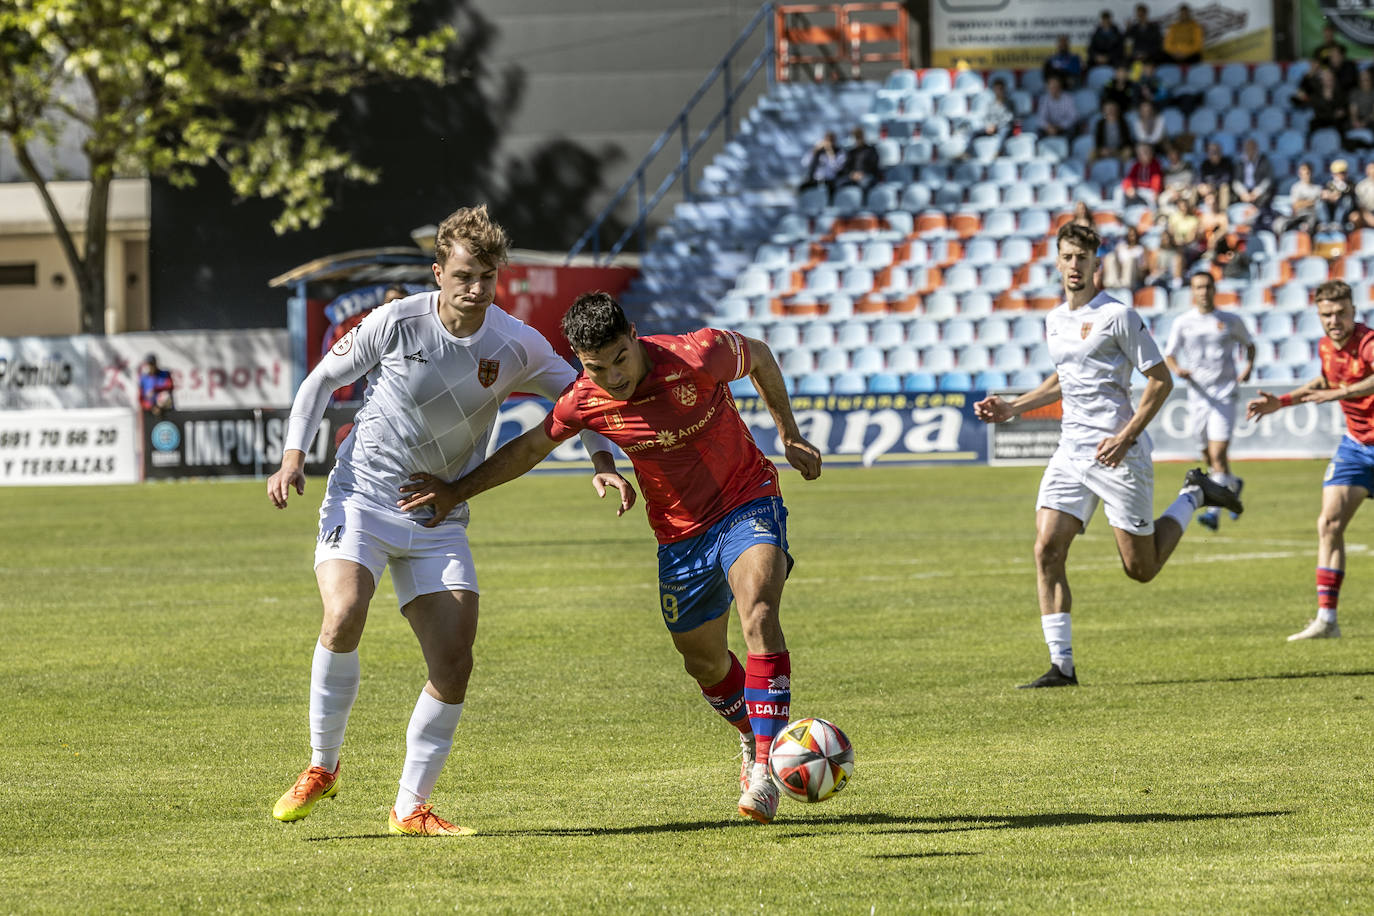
column 712, row 498
column 1347, row 355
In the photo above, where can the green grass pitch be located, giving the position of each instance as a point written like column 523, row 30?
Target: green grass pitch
column 155, row 646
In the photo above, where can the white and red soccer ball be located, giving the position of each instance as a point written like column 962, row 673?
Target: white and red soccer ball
column 811, row 760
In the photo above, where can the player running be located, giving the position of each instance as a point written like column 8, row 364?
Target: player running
column 711, row 496
column 439, row 366
column 1104, row 451
column 1347, row 355
column 1206, row 340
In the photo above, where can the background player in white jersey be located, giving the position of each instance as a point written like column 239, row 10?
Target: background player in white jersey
column 439, row 365
column 1104, row 451
column 1201, row 350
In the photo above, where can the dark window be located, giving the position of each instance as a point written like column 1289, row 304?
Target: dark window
column 18, row 274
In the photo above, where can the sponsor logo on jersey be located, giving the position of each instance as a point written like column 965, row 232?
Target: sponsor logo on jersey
column 686, row 394
column 672, row 376
column 614, row 420
column 780, row 684
column 417, row 356
column 332, row 538
column 1085, row 330
column 594, row 400
column 487, row 370
column 344, row 344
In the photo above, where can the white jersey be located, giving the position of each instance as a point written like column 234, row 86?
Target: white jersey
column 1206, row 345
column 432, row 398
column 1094, row 348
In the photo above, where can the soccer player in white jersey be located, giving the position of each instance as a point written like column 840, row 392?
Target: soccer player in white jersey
column 1104, row 451
column 439, row 365
column 1201, row 350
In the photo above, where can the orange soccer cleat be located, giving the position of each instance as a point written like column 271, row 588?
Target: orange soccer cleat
column 314, row 784
column 424, row 822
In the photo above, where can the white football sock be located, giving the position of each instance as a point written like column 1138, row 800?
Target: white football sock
column 1326, row 614
column 334, row 678
column 1059, row 637
column 1181, row 510
column 428, row 742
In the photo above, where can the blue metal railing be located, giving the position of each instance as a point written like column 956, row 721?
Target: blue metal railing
column 638, row 180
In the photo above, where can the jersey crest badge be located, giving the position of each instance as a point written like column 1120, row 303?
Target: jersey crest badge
column 614, row 420
column 344, row 344
column 487, row 370
column 1087, row 329
column 686, row 394
column 1221, row 325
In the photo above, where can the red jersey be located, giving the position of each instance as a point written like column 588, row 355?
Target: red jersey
column 693, row 456
column 1347, row 365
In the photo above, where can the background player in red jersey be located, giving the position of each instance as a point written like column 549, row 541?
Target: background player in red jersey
column 1347, row 355
column 711, row 496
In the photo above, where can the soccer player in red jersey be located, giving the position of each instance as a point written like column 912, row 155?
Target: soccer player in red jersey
column 711, row 495
column 1347, row 355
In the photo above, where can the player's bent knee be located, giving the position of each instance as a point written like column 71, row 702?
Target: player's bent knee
column 1139, row 570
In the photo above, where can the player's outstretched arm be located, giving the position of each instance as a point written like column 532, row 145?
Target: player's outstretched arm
column 1267, row 403
column 291, row 474
column 509, row 462
column 995, row 409
column 767, row 378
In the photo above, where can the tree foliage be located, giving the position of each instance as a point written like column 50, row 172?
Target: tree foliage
column 163, row 88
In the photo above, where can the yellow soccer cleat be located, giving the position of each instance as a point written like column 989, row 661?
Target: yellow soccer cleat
column 314, row 784
column 424, row 822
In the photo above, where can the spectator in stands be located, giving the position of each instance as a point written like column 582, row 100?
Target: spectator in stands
column 1230, row 259
column 1337, row 199
column 1180, row 178
column 1106, row 45
column 1149, row 87
column 1164, row 265
column 822, row 163
column 1057, row 113
column 1364, row 198
column 1303, row 197
column 154, row 387
column 1184, row 39
column 1111, row 134
column 1120, row 89
column 1330, row 106
column 1344, row 69
column 1083, row 215
column 860, row 165
column 1064, row 64
column 1147, row 126
column 1254, row 181
column 1144, row 178
column 1308, row 86
column 1362, row 104
column 1143, row 39
column 1185, row 227
column 999, row 117
column 1124, row 265
column 1323, row 51
column 1214, row 176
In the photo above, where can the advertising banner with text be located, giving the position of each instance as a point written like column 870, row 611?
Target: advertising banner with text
column 232, row 443
column 64, row 447
column 992, row 34
column 1303, row 431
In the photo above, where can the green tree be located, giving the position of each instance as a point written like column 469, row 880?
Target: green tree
column 166, row 87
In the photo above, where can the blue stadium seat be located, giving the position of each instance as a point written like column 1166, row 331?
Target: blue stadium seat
column 1098, row 77
column 867, row 360
column 1295, row 351
column 994, row 330
column 1267, row 75
column 990, row 380
column 1236, row 121
column 1200, row 76
column 850, row 383
column 918, row 151
column 899, row 81
column 1009, row 357
column 818, row 334
column 1220, row 98
column 797, row 362
column 851, row 335
column 1234, row 75
column 884, row 383
column 889, row 333
column 1252, row 97
column 981, row 249
column 914, row 382
column 936, row 79
column 969, row 82
column 1290, row 143
column 903, row 360
column 1025, row 378
column 784, row 335
column 998, row 224
column 831, row 362
column 813, row 384
column 1032, row 81
column 1170, row 75
column 1018, row 197
column 1309, row 326
column 957, row 332
column 1276, row 372
column 1296, row 71
column 1202, row 121
column 941, row 303
column 1016, row 252
column 978, row 303
column 1324, row 142
column 1276, row 325
column 743, row 388
column 848, row 200
column 937, row 358
column 955, row 380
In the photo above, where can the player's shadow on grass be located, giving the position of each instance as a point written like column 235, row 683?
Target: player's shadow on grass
column 901, row 824
column 1282, row 676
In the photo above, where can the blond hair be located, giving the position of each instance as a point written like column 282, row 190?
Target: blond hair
column 474, row 229
column 1334, row 291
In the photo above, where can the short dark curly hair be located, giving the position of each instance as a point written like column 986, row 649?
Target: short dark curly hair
column 594, row 321
column 1080, row 235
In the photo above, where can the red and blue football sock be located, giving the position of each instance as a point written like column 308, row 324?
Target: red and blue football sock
column 727, row 697
column 1328, row 592
column 768, row 698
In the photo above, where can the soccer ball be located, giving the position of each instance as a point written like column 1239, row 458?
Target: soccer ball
column 811, row 760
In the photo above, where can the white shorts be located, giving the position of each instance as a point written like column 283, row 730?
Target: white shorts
column 1074, row 484
column 423, row 560
column 1213, row 419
